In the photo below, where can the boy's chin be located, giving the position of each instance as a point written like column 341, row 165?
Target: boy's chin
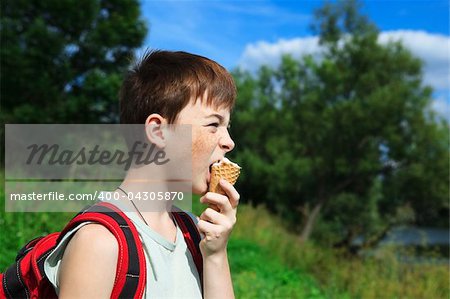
column 200, row 190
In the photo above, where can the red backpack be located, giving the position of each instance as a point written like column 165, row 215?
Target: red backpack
column 26, row 277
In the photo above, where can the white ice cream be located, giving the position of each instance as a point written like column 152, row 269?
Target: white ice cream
column 226, row 161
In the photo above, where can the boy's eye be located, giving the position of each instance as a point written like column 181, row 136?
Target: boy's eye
column 214, row 125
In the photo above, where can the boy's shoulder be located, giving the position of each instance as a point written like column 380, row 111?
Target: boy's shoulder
column 98, row 239
column 93, row 249
column 96, row 235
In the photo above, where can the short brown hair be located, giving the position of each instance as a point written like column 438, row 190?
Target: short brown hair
column 164, row 82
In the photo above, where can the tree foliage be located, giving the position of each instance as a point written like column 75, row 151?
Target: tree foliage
column 347, row 141
column 62, row 60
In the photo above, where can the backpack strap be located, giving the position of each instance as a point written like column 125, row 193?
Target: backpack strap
column 131, row 271
column 192, row 238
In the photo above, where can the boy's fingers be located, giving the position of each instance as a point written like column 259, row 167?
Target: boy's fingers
column 212, row 216
column 205, row 226
column 232, row 193
column 216, row 200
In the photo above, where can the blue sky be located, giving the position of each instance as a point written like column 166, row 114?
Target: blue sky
column 251, row 33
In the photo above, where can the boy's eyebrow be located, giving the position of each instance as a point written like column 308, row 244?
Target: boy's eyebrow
column 220, row 117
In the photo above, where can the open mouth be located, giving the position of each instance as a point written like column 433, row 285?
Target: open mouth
column 210, row 169
column 211, row 165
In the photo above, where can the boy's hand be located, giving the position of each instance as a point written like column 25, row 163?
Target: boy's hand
column 217, row 225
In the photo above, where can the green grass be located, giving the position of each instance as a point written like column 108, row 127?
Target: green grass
column 258, row 274
column 337, row 275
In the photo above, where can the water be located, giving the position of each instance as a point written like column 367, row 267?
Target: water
column 414, row 245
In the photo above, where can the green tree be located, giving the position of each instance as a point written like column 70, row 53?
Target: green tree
column 347, row 141
column 62, row 60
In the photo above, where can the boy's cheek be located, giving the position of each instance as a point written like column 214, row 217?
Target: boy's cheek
column 203, row 146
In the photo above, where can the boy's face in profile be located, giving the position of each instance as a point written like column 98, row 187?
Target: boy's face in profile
column 210, row 139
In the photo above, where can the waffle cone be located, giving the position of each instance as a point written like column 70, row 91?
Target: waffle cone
column 228, row 171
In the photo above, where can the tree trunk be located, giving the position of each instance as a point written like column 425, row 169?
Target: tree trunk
column 311, row 221
column 323, row 198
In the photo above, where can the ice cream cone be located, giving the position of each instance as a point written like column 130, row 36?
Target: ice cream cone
column 224, row 169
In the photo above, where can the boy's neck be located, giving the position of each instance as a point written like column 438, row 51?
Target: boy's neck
column 159, row 219
column 145, row 188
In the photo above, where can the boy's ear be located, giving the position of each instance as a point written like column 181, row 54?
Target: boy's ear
column 155, row 130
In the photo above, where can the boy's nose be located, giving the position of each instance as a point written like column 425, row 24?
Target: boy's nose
column 225, row 142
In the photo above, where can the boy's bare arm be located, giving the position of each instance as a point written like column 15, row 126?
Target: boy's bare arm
column 217, row 226
column 217, row 278
column 88, row 267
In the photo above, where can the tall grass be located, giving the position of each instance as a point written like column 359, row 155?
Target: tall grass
column 338, row 275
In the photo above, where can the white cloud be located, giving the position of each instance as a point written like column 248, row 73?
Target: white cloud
column 264, row 53
column 441, row 105
column 433, row 49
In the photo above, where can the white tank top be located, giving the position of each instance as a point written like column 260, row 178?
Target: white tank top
column 171, row 271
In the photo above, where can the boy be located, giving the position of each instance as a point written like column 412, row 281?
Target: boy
column 163, row 88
